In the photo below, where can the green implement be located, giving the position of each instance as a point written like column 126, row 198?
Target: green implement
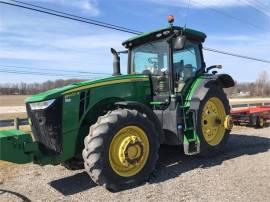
column 17, row 146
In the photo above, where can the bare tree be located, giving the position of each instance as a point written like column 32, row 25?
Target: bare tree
column 32, row 88
column 262, row 84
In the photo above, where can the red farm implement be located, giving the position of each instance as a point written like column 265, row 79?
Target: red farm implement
column 255, row 115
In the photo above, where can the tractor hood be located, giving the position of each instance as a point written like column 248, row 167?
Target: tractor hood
column 76, row 87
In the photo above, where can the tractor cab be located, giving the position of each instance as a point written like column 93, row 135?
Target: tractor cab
column 172, row 57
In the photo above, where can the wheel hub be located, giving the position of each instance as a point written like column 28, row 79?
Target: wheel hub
column 129, row 151
column 228, row 124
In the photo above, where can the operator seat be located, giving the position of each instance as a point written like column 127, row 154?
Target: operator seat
column 178, row 69
column 188, row 72
column 178, row 75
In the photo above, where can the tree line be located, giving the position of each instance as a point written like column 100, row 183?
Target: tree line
column 33, row 88
column 259, row 88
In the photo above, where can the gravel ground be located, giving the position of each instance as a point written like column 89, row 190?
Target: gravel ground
column 242, row 173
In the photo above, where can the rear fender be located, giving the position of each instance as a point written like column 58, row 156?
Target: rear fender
column 221, row 80
column 225, row 81
column 199, row 92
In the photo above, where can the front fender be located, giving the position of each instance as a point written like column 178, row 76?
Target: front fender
column 146, row 110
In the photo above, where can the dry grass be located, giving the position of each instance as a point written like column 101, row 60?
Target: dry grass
column 12, row 100
column 13, row 116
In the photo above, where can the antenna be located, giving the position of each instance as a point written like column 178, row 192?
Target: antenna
column 187, row 13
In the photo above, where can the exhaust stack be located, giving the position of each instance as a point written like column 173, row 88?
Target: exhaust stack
column 116, row 63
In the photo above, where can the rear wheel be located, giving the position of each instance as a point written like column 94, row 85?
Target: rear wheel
column 214, row 122
column 260, row 123
column 121, row 149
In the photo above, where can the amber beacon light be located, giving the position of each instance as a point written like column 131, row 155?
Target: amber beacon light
column 170, row 19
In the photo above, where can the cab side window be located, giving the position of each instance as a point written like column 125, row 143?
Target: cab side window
column 185, row 63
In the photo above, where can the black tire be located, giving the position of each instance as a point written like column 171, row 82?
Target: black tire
column 97, row 144
column 236, row 123
column 206, row 149
column 74, row 163
column 260, row 122
column 253, row 119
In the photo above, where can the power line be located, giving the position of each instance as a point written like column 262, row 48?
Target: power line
column 259, row 3
column 137, row 32
column 59, row 70
column 41, row 73
column 258, row 7
column 131, row 30
column 46, row 74
column 232, row 17
column 71, row 18
column 68, row 14
column 236, row 55
column 49, row 72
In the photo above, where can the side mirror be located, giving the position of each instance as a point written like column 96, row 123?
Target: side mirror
column 213, row 67
column 179, row 42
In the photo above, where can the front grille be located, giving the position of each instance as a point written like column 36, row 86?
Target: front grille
column 47, row 126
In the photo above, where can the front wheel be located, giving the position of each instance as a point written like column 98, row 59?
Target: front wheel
column 121, row 149
column 214, row 122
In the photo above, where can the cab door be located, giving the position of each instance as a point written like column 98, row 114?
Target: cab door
column 186, row 62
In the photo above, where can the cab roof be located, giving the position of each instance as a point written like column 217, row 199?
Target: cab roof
column 161, row 33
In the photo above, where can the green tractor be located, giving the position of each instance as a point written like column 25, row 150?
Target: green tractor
column 113, row 127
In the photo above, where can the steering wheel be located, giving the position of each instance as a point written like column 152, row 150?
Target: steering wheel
column 146, row 71
column 152, row 60
column 164, row 70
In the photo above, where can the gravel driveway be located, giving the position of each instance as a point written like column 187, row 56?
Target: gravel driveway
column 242, row 173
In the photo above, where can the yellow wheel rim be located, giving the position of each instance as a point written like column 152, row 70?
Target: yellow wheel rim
column 129, row 151
column 213, row 121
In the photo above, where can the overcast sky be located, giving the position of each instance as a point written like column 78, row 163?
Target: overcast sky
column 41, row 41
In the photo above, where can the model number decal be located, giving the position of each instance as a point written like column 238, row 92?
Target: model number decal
column 69, row 96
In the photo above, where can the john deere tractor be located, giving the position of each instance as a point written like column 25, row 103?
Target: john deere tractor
column 113, row 127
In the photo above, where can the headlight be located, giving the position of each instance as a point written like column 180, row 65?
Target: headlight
column 41, row 105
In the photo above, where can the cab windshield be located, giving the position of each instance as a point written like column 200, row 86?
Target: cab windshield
column 150, row 58
column 153, row 58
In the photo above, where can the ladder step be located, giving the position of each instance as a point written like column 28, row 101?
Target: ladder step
column 192, row 148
